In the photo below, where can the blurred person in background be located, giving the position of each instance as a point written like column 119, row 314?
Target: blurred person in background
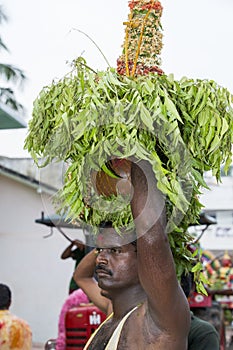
column 202, row 334
column 15, row 333
column 76, row 251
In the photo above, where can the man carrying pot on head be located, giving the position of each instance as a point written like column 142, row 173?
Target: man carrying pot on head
column 136, row 271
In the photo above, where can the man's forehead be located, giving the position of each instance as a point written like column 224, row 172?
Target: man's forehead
column 108, row 237
column 109, row 240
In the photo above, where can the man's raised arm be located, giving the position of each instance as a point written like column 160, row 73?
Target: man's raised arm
column 167, row 304
column 84, row 277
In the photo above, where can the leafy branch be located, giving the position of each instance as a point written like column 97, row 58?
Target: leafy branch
column 183, row 128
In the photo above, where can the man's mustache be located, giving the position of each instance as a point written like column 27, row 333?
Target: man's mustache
column 103, row 268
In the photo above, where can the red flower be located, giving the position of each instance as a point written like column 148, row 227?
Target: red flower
column 154, row 6
column 140, row 69
column 157, row 6
column 132, row 4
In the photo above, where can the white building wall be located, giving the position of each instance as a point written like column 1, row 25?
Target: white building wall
column 218, row 201
column 29, row 263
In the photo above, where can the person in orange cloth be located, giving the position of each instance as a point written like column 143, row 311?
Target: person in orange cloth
column 15, row 333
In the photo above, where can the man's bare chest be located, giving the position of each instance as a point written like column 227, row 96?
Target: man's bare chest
column 134, row 335
column 103, row 335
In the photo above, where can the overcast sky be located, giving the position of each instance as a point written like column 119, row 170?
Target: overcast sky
column 42, row 37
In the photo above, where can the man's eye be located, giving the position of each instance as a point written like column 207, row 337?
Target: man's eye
column 115, row 250
column 108, row 250
column 98, row 250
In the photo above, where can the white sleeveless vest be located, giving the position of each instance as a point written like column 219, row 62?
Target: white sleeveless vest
column 113, row 341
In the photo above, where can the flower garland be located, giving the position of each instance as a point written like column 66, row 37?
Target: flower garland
column 143, row 39
column 75, row 299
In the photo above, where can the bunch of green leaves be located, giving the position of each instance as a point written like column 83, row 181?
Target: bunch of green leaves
column 183, row 128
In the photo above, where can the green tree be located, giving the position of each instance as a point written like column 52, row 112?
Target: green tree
column 9, row 73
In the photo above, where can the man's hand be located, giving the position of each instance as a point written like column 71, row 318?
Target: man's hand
column 79, row 244
column 69, row 251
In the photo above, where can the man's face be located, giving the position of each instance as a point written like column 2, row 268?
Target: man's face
column 116, row 262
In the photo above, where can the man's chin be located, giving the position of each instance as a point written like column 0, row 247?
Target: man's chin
column 102, row 283
column 105, row 294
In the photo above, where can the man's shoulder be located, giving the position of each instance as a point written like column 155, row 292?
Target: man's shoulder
column 202, row 335
column 199, row 324
column 6, row 316
column 14, row 326
column 18, row 322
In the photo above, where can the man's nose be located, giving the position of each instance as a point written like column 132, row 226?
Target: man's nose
column 102, row 257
